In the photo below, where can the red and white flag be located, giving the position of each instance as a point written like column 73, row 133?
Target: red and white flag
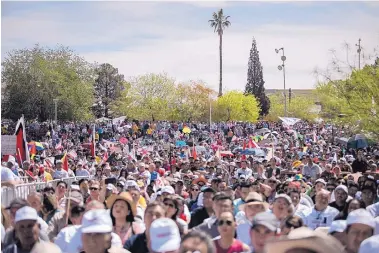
column 253, row 144
column 22, row 151
column 72, row 154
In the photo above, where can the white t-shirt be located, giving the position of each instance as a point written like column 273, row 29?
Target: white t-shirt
column 59, row 174
column 247, row 172
column 82, row 173
column 314, row 219
column 7, row 175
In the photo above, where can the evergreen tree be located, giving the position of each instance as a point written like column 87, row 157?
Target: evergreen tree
column 255, row 82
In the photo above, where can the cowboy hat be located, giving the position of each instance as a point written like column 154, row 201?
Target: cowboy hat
column 125, row 196
column 253, row 198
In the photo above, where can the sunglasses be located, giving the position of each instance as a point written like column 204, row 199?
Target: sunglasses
column 330, row 189
column 169, row 204
column 195, row 189
column 94, row 188
column 222, row 222
column 272, row 181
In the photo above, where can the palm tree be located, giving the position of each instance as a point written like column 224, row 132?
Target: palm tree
column 220, row 22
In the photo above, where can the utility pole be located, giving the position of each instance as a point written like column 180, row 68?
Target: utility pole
column 55, row 100
column 359, row 50
column 283, row 67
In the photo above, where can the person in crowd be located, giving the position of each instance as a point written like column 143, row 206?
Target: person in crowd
column 264, row 227
column 27, row 229
column 221, row 203
column 61, row 190
column 59, row 172
column 254, row 205
column 351, row 205
column 360, row 225
column 164, row 236
column 63, row 218
column 227, row 229
column 282, row 207
column 337, row 230
column 122, row 211
column 321, row 215
column 96, row 232
column 196, row 241
column 138, row 243
column 341, row 194
column 193, row 195
column 203, row 212
column 245, row 188
column 369, row 245
column 291, row 223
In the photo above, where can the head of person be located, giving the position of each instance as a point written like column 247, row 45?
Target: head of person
column 94, row 189
column 295, row 197
column 83, row 184
column 254, row 204
column 264, row 227
column 164, row 236
column 360, row 225
column 221, row 186
column 320, row 184
column 76, row 214
column 222, row 203
column 179, row 186
column 322, row 199
column 35, row 200
column 226, row 225
column 122, row 207
column 14, row 206
column 341, row 194
column 27, row 228
column 61, row 188
column 245, row 189
column 59, row 165
column 172, row 206
column 337, row 230
column 96, row 231
column 368, row 194
column 153, row 211
column 281, row 207
column 290, row 223
column 197, row 241
column 352, row 188
column 208, row 194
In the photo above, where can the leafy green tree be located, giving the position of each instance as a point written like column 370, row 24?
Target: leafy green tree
column 236, row 106
column 255, row 82
column 300, row 107
column 220, row 22
column 33, row 77
column 108, row 87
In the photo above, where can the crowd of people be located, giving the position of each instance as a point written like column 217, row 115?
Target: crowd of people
column 163, row 187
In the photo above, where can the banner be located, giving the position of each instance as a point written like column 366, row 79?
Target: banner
column 8, row 144
column 289, row 121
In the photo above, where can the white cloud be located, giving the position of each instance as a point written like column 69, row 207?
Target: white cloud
column 192, row 52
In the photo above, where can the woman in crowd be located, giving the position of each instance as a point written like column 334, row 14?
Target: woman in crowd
column 122, row 211
column 350, row 206
column 172, row 210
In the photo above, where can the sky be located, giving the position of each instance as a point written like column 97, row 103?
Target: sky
column 175, row 37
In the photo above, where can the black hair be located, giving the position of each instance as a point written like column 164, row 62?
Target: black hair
column 82, row 180
column 129, row 217
column 176, row 204
column 245, row 185
column 221, row 196
column 62, row 182
column 349, row 226
column 49, row 189
column 343, row 214
column 203, row 237
column 76, row 211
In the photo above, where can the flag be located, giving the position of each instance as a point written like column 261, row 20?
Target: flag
column 72, row 154
column 194, row 153
column 59, row 145
column 22, row 151
column 65, row 162
column 105, row 157
column 314, row 136
column 93, row 154
column 253, row 144
column 244, row 144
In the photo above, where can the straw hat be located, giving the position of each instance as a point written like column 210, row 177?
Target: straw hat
column 304, row 238
column 125, row 196
column 254, row 198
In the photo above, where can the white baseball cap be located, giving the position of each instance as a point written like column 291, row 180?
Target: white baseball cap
column 164, row 235
column 97, row 221
column 370, row 245
column 168, row 189
column 341, row 187
column 26, row 213
column 320, row 180
column 360, row 216
column 337, row 226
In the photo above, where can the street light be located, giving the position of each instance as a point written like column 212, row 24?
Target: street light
column 55, row 100
column 282, row 67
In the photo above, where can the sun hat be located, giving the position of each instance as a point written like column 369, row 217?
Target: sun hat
column 253, row 198
column 304, row 238
column 125, row 196
column 26, row 213
column 164, row 235
column 266, row 219
column 96, row 221
column 370, row 245
column 337, row 226
column 361, row 216
column 168, row 189
column 320, row 180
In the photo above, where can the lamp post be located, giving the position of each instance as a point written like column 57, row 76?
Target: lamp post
column 55, row 100
column 282, row 67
